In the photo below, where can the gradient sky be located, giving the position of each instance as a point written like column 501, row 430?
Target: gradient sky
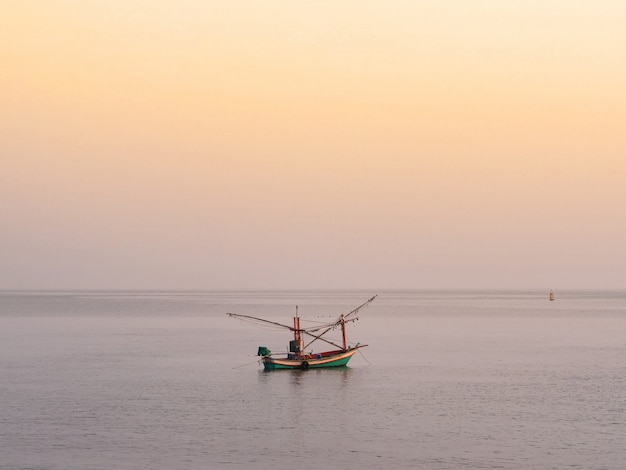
column 152, row 144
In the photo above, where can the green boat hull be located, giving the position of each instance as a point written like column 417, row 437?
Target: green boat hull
column 310, row 362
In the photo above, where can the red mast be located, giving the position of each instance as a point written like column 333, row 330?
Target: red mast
column 297, row 333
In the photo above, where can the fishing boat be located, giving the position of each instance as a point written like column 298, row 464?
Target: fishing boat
column 551, row 296
column 297, row 357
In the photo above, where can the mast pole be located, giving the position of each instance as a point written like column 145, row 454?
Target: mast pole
column 297, row 333
column 343, row 333
column 296, row 326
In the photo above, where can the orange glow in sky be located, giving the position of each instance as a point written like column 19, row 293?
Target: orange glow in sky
column 227, row 144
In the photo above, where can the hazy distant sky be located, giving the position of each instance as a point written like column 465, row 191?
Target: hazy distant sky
column 312, row 144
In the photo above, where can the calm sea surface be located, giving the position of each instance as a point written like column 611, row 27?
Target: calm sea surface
column 450, row 380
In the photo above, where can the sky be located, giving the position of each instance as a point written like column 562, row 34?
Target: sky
column 150, row 144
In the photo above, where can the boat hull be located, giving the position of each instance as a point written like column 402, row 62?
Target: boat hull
column 312, row 361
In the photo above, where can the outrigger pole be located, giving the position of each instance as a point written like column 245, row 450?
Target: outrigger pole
column 238, row 315
column 342, row 321
column 297, row 330
column 294, row 328
column 297, row 357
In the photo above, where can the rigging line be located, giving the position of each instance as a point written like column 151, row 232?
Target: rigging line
column 363, row 356
column 330, row 339
column 330, row 326
column 317, row 322
column 337, row 322
column 320, row 338
column 257, row 323
column 240, row 316
column 345, row 317
column 261, row 325
column 247, row 364
column 361, row 306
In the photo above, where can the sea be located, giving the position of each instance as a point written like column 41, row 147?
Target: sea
column 449, row 380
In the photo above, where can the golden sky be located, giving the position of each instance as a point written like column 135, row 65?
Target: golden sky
column 297, row 144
